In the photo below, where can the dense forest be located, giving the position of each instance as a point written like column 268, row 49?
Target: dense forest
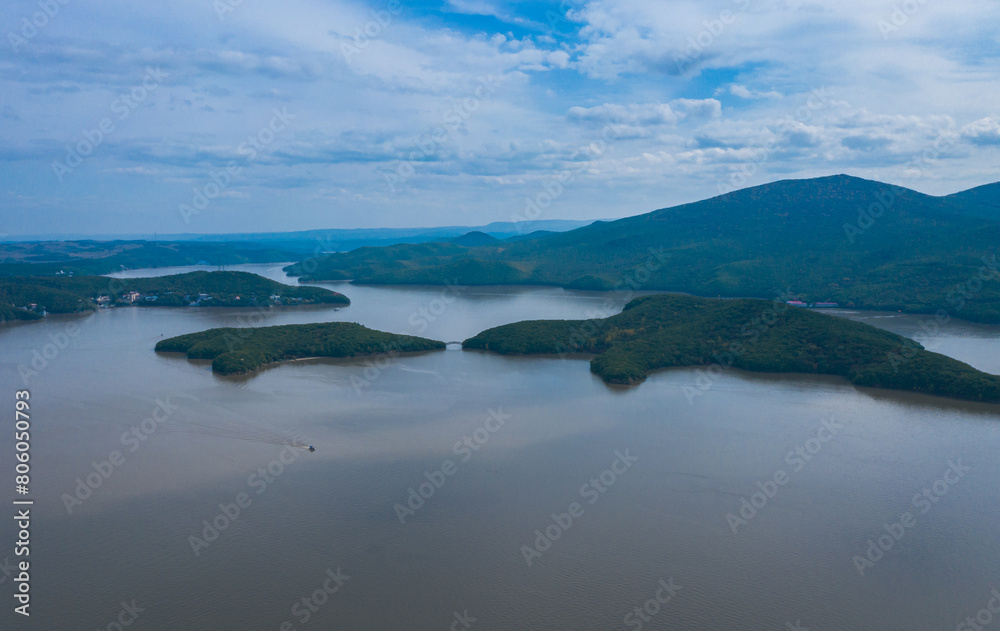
column 71, row 294
column 763, row 336
column 860, row 243
column 235, row 351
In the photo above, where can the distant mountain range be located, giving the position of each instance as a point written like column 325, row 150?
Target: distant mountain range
column 94, row 255
column 332, row 239
column 844, row 239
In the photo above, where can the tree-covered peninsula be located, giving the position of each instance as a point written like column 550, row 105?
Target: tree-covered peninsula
column 756, row 335
column 26, row 297
column 235, row 351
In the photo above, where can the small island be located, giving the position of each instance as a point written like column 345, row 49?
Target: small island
column 29, row 297
column 238, row 351
column 756, row 335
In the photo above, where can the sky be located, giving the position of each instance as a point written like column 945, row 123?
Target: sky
column 209, row 116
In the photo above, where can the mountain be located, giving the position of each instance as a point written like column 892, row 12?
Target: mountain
column 473, row 239
column 982, row 201
column 858, row 242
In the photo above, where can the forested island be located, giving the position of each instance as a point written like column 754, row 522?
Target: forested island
column 236, row 351
column 756, row 335
column 27, row 298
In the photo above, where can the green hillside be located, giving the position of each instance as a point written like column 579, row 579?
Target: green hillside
column 860, row 243
column 756, row 335
column 982, row 201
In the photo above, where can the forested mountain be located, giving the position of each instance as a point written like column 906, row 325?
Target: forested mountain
column 857, row 242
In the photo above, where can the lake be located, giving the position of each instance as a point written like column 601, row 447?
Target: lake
column 462, row 490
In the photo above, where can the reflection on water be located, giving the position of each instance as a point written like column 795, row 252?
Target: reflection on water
column 384, row 429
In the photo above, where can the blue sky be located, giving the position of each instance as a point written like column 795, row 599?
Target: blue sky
column 255, row 115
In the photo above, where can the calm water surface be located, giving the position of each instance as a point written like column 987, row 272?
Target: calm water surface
column 382, row 430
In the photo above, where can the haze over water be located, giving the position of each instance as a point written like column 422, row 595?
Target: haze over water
column 378, row 432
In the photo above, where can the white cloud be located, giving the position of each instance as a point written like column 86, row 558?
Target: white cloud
column 932, row 83
column 649, row 114
column 746, row 93
column 697, row 108
column 985, row 131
